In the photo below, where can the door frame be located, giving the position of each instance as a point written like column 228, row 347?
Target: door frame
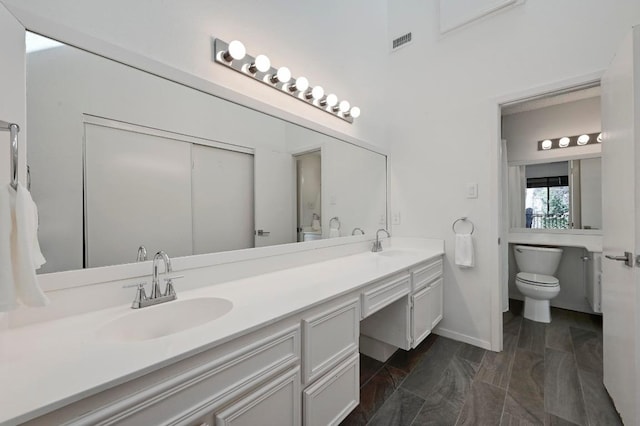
column 498, row 189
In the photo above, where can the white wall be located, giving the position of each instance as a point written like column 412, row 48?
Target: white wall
column 523, row 131
column 315, row 39
column 445, row 129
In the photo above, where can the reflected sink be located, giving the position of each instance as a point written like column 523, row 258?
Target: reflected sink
column 394, row 252
column 165, row 319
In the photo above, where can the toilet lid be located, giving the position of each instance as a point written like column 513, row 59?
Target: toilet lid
column 537, row 279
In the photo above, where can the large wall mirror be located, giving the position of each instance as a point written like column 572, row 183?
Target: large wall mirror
column 557, row 195
column 120, row 158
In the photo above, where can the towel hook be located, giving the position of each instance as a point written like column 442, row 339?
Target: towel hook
column 13, row 130
column 462, row 219
column 336, row 219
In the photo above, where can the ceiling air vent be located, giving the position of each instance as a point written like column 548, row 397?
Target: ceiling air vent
column 403, row 40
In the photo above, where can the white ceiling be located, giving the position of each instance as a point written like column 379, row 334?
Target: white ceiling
column 550, row 100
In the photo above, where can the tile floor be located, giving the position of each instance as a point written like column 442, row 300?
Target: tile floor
column 548, row 374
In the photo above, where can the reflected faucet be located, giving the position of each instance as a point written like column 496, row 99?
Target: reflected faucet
column 357, row 229
column 377, row 244
column 142, row 254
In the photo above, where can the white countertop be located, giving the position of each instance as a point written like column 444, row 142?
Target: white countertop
column 48, row 365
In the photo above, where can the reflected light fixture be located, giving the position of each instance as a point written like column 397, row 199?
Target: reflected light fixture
column 234, row 55
column 570, row 141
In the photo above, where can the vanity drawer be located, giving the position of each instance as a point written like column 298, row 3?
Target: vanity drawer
column 426, row 274
column 333, row 397
column 329, row 338
column 379, row 295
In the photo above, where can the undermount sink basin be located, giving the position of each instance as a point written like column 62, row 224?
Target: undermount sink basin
column 165, row 319
column 395, row 252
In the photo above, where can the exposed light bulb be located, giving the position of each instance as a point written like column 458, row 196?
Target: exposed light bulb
column 583, row 139
column 317, row 92
column 344, row 106
column 355, row 112
column 261, row 63
column 332, row 100
column 546, row 144
column 282, row 76
column 599, row 139
column 564, row 142
column 235, row 51
column 301, row 84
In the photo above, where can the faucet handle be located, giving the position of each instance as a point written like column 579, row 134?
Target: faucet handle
column 141, row 295
column 173, row 277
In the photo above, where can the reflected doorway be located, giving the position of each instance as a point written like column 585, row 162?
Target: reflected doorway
column 308, row 195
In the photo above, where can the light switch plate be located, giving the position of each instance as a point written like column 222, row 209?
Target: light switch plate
column 472, row 190
column 395, row 218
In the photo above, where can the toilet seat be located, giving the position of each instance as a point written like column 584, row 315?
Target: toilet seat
column 537, row 279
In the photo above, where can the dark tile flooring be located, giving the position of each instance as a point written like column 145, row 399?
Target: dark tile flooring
column 548, row 374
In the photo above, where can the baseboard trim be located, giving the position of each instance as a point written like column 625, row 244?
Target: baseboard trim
column 484, row 344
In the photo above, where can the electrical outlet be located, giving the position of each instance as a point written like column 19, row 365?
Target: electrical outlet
column 383, row 220
column 472, row 190
column 395, row 218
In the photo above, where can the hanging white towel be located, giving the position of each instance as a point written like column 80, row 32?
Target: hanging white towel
column 334, row 232
column 464, row 250
column 8, row 297
column 26, row 254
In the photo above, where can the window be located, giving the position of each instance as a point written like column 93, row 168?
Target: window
column 547, row 203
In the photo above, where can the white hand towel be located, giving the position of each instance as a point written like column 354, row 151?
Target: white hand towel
column 464, row 250
column 334, row 232
column 27, row 256
column 8, row 300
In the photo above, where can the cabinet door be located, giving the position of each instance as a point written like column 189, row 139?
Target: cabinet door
column 275, row 404
column 421, row 316
column 437, row 302
column 334, row 396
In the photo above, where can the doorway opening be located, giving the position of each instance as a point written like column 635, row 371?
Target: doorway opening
column 308, row 195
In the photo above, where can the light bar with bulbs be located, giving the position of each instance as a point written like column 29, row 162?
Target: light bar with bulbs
column 570, row 141
column 234, row 55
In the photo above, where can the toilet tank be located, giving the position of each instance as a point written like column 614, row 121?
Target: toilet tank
column 537, row 260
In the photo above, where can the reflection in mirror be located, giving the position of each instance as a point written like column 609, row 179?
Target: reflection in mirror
column 121, row 158
column 557, row 195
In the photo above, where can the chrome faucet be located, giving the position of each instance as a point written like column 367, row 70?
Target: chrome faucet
column 141, row 300
column 357, row 229
column 377, row 244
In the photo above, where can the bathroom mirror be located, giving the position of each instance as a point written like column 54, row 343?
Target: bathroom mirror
column 562, row 195
column 120, row 158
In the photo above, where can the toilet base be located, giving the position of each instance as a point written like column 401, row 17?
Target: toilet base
column 537, row 310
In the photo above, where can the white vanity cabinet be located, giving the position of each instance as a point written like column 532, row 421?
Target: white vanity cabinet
column 232, row 384
column 407, row 321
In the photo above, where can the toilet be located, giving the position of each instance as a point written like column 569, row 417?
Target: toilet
column 535, row 279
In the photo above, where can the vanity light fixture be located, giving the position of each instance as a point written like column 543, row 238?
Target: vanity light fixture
column 570, row 141
column 234, row 55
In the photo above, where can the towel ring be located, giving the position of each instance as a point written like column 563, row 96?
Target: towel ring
column 462, row 219
column 13, row 130
column 336, row 219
